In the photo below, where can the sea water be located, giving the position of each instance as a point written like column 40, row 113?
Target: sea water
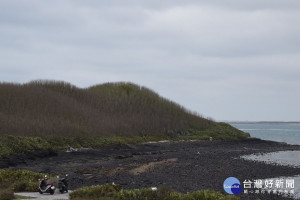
column 285, row 158
column 280, row 132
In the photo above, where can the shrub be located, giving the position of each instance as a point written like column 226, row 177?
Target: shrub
column 109, row 192
column 25, row 186
column 19, row 180
column 49, row 114
column 208, row 195
column 43, row 108
column 11, row 144
column 7, row 194
column 96, row 191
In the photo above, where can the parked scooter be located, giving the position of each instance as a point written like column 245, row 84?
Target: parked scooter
column 45, row 187
column 63, row 184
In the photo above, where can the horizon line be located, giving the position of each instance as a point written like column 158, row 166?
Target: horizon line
column 259, row 121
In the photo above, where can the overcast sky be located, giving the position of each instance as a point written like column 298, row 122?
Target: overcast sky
column 225, row 59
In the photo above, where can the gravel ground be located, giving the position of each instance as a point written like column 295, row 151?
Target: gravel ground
column 182, row 166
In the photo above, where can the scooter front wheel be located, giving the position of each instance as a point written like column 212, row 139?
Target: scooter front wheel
column 51, row 192
column 40, row 191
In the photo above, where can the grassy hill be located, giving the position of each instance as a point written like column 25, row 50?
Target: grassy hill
column 51, row 109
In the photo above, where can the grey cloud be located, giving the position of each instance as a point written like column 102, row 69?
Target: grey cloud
column 226, row 59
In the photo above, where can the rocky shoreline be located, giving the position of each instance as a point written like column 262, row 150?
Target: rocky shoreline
column 183, row 166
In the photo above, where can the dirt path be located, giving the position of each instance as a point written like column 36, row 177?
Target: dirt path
column 38, row 196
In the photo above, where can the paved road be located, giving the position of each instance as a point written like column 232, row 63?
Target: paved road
column 38, row 196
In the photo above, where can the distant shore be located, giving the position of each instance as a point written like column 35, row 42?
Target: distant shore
column 262, row 122
column 183, row 166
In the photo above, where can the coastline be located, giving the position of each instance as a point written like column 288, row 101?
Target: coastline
column 183, row 166
column 262, row 122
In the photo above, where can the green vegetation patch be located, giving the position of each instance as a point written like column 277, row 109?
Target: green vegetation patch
column 110, row 192
column 55, row 108
column 11, row 144
column 19, row 180
column 94, row 142
column 6, row 194
column 54, row 114
column 222, row 131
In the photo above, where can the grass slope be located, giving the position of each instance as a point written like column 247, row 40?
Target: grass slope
column 57, row 113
